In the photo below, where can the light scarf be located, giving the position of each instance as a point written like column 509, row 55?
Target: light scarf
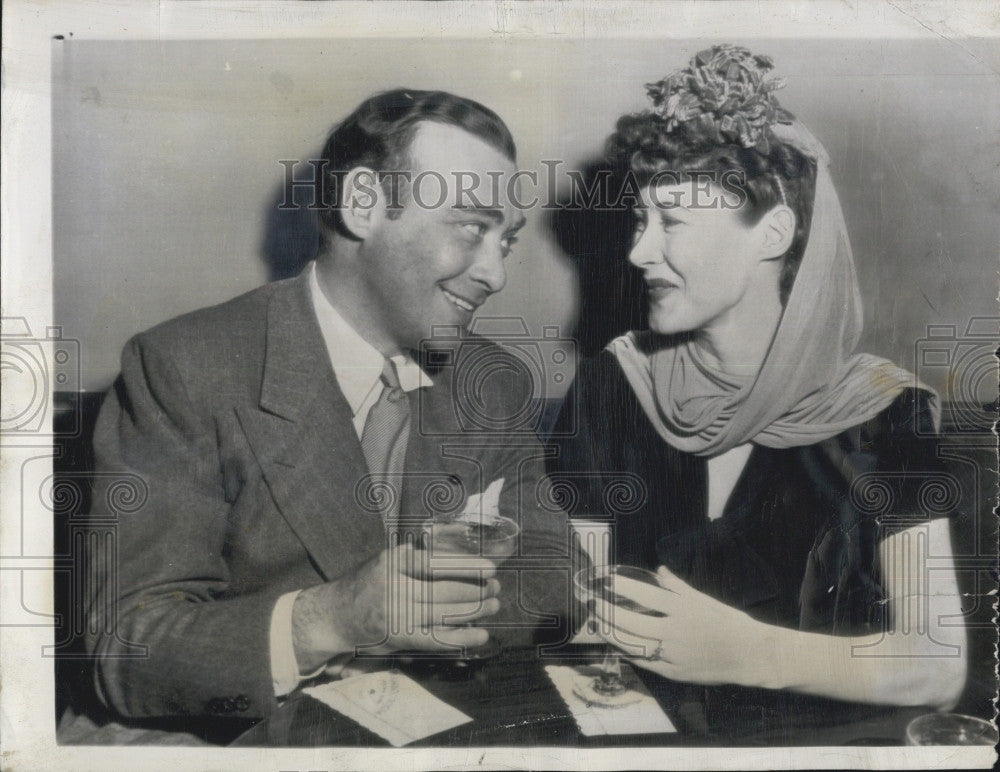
column 809, row 388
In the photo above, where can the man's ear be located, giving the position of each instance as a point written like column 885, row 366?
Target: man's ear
column 778, row 230
column 360, row 201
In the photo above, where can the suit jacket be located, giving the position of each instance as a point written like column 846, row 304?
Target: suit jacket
column 232, row 418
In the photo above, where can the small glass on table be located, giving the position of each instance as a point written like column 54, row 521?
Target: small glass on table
column 597, row 585
column 950, row 729
column 489, row 535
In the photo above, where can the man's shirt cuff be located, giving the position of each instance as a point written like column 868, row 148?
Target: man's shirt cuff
column 284, row 667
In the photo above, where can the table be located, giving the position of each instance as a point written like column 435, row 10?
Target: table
column 513, row 702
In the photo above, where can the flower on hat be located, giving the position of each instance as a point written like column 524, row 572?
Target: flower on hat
column 721, row 97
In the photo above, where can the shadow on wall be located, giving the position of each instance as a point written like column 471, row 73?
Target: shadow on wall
column 291, row 227
column 597, row 240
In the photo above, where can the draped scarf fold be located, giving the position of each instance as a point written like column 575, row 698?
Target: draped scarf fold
column 810, row 386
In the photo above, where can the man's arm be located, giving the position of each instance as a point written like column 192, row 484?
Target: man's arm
column 164, row 583
column 170, row 587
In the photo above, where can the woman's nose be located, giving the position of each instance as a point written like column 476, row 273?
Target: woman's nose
column 645, row 250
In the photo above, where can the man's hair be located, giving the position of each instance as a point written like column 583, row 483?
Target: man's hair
column 379, row 132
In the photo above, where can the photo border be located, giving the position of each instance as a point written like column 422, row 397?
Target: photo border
column 27, row 697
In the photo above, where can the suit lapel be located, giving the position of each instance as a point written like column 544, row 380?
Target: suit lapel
column 304, row 440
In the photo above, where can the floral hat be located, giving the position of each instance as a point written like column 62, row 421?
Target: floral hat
column 721, row 97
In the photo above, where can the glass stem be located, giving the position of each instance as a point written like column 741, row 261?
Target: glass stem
column 611, row 667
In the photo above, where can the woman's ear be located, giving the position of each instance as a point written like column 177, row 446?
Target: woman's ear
column 778, row 231
column 360, row 201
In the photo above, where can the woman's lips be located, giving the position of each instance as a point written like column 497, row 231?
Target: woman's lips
column 659, row 287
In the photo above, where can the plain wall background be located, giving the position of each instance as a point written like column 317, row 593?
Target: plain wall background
column 166, row 154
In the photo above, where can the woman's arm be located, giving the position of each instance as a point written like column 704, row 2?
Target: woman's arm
column 919, row 660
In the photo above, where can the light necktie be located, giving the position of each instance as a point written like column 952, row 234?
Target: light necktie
column 383, row 440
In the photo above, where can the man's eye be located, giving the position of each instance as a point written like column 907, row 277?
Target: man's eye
column 477, row 229
column 507, row 244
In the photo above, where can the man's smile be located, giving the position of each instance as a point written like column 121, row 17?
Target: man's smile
column 460, row 302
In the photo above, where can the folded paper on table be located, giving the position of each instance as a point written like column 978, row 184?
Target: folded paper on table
column 644, row 716
column 390, row 704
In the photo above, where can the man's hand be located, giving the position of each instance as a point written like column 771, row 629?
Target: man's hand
column 394, row 602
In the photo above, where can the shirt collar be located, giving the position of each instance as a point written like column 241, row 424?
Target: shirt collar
column 356, row 363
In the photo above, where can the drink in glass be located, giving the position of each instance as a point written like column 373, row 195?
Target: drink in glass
column 950, row 729
column 597, row 584
column 490, row 536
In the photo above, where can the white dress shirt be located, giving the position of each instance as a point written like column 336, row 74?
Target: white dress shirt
column 723, row 473
column 357, row 366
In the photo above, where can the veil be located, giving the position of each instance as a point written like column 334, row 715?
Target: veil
column 811, row 386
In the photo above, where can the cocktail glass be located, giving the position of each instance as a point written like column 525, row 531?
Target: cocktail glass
column 950, row 729
column 451, row 538
column 596, row 585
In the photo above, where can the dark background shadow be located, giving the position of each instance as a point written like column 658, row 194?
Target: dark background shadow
column 596, row 240
column 291, row 225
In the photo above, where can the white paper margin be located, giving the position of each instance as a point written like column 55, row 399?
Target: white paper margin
column 27, row 731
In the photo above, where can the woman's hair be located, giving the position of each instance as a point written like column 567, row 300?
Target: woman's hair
column 714, row 118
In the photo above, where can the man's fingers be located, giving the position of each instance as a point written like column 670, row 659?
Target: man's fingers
column 445, row 639
column 421, row 591
column 460, row 613
column 423, row 604
column 422, row 563
column 464, row 567
column 455, row 592
column 437, row 613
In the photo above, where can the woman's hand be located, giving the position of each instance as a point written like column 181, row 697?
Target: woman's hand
column 699, row 640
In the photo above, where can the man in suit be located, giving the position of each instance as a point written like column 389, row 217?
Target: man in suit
column 262, row 556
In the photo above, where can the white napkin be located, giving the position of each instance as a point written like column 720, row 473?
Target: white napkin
column 482, row 507
column 390, row 704
column 642, row 717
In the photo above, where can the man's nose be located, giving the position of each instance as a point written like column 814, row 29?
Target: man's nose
column 489, row 269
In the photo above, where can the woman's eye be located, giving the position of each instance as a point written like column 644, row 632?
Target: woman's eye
column 477, row 229
column 507, row 244
column 640, row 227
